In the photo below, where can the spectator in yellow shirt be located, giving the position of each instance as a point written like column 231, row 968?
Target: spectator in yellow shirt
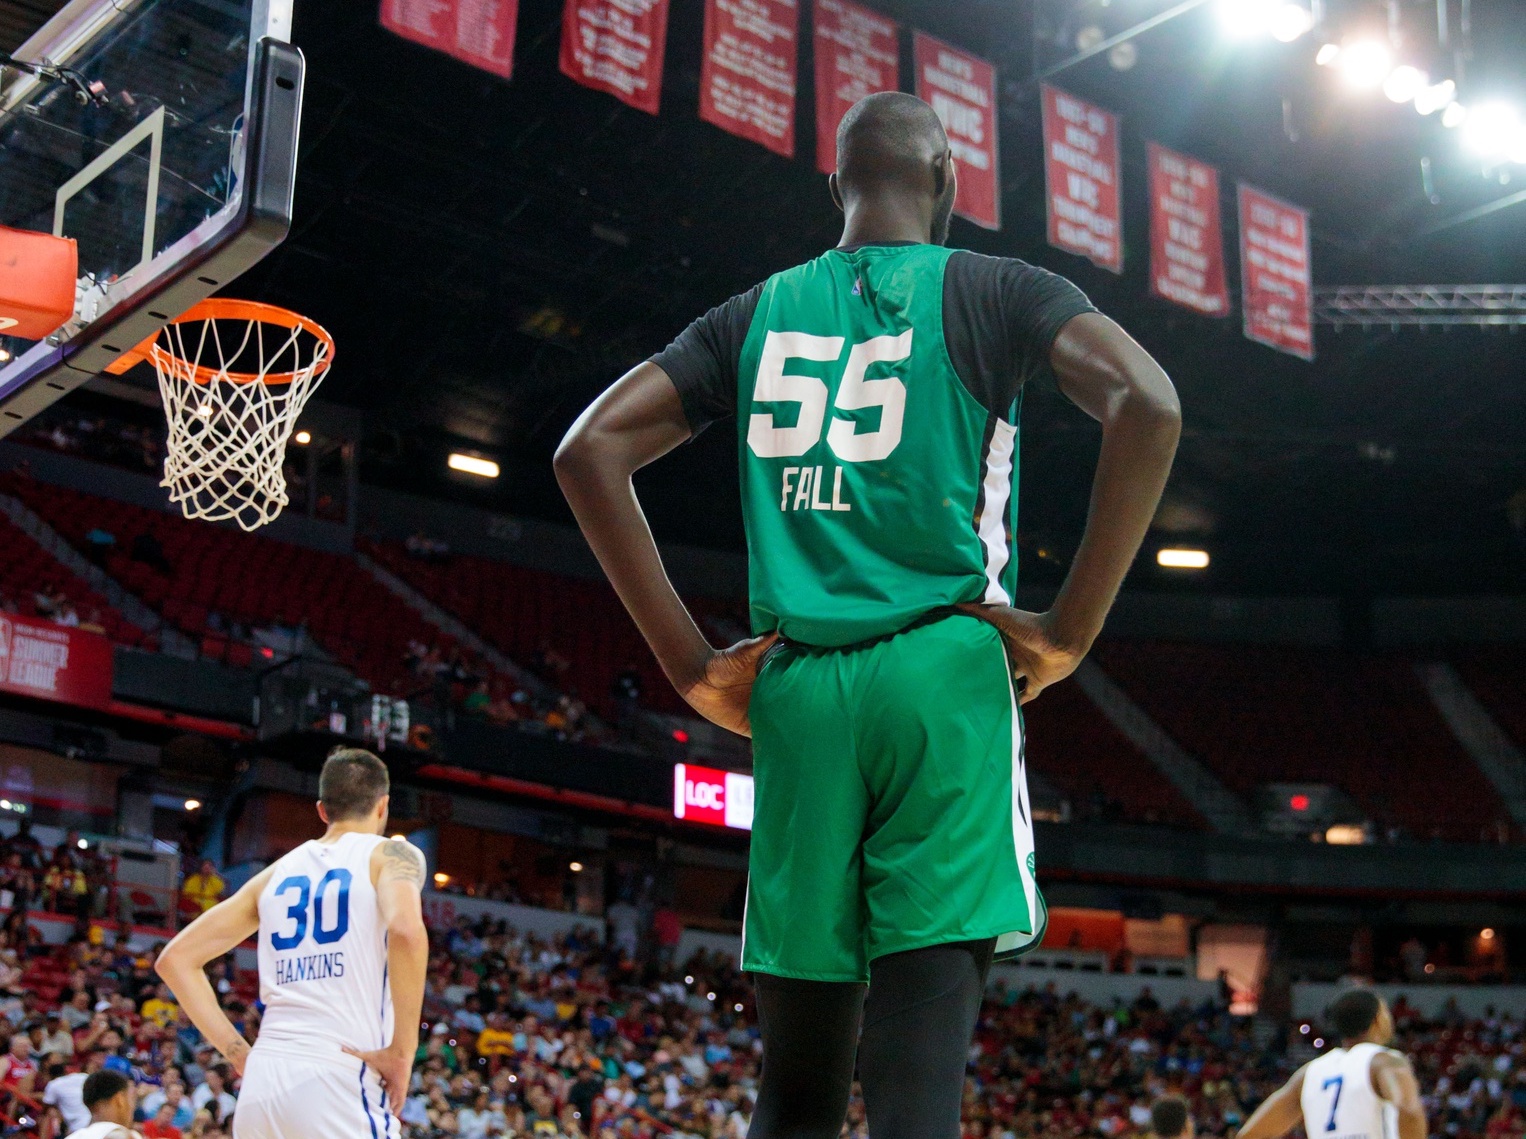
column 205, row 887
column 497, row 1039
column 161, row 1007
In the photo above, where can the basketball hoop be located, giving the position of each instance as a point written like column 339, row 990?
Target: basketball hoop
column 234, row 375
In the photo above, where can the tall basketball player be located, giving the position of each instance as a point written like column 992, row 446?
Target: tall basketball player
column 875, row 391
column 1361, row 1090
column 342, row 954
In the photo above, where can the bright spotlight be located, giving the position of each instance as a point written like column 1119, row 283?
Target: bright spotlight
column 193, row 804
column 1365, row 64
column 575, row 867
column 5, row 355
column 472, row 465
column 1328, row 55
column 1242, row 19
column 204, row 410
column 302, row 438
column 1490, row 129
column 1515, row 149
column 1454, row 116
column 1435, row 97
column 1289, row 22
column 1405, row 83
column 1182, row 559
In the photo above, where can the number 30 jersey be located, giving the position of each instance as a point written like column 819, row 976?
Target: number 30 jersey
column 1338, row 1098
column 876, row 393
column 323, row 952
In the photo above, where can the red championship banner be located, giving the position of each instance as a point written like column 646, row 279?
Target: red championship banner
column 858, row 52
column 1276, row 273
column 747, row 79
column 1081, row 177
column 1186, row 240
column 616, row 46
column 54, row 662
column 478, row 32
column 962, row 89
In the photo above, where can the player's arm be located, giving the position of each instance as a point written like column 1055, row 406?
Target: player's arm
column 1115, row 381
column 1394, row 1080
column 182, row 965
column 1279, row 1113
column 397, row 869
column 637, row 421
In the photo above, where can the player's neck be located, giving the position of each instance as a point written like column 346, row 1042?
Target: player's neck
column 885, row 221
column 338, row 830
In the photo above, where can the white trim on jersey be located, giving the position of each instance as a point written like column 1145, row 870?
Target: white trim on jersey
column 997, row 488
column 1018, row 941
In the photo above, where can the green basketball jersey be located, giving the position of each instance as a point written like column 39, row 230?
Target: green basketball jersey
column 874, row 486
column 876, row 392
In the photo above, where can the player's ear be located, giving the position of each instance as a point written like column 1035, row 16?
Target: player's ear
column 322, row 814
column 942, row 167
column 836, row 193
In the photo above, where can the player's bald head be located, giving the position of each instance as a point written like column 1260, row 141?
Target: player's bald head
column 888, row 140
column 892, row 152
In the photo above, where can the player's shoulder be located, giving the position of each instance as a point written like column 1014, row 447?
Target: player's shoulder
column 397, row 858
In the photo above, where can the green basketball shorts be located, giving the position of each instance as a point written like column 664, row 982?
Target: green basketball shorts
column 890, row 803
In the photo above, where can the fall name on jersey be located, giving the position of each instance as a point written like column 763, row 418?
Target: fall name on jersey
column 309, row 967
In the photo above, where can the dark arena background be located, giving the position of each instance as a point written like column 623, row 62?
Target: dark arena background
column 1295, row 762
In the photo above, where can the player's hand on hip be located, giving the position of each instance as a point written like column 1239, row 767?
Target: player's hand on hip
column 724, row 689
column 1037, row 656
column 394, row 1067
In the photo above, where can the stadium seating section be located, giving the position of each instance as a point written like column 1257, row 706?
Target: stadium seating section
column 1098, row 770
column 26, row 568
column 244, row 578
column 533, row 615
column 1359, row 721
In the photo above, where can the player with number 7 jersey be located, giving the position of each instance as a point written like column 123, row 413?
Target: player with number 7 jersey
column 342, row 954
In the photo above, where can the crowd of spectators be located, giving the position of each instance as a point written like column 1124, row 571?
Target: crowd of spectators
column 568, row 1039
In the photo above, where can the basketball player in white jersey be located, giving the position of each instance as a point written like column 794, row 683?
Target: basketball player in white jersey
column 342, row 952
column 111, row 1100
column 1361, row 1090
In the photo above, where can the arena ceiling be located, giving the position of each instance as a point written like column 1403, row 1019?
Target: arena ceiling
column 489, row 255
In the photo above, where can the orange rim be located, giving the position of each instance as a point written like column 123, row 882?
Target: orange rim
column 229, row 308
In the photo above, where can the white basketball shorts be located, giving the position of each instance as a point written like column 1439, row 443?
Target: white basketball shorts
column 289, row 1097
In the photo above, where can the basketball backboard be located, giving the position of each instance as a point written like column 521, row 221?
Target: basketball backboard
column 162, row 136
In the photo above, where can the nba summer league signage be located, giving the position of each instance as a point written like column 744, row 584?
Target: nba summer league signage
column 52, row 662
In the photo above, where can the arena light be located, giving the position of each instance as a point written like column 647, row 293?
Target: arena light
column 1436, row 97
column 1289, row 22
column 1242, row 19
column 1327, row 54
column 1490, row 129
column 1405, row 83
column 575, row 867
column 1299, row 802
column 302, row 438
column 1454, row 116
column 472, row 465
column 5, row 355
column 441, row 878
column 1515, row 151
column 1345, row 834
column 193, row 804
column 398, row 837
column 1175, row 558
column 1365, row 64
column 1486, row 934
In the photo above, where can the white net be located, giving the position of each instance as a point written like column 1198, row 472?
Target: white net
column 233, row 386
